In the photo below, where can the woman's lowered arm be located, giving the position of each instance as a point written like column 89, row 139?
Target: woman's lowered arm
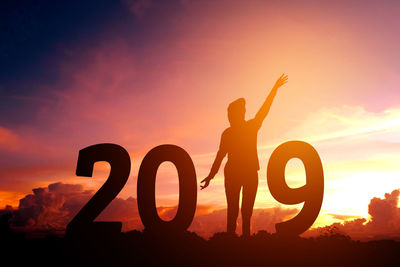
column 263, row 111
column 214, row 169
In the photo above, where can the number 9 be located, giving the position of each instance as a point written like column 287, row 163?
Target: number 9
column 311, row 193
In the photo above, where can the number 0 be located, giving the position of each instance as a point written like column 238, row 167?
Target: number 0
column 311, row 193
column 187, row 188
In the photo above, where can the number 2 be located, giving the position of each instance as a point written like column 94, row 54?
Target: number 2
column 120, row 163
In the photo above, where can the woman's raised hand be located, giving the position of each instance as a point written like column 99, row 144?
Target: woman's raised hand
column 281, row 81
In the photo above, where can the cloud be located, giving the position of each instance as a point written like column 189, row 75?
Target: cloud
column 343, row 217
column 51, row 207
column 54, row 206
column 209, row 220
column 385, row 215
column 384, row 220
column 343, row 126
column 263, row 219
column 124, row 210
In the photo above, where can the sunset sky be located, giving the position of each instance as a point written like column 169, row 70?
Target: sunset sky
column 144, row 73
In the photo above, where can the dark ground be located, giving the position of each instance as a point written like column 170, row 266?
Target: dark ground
column 188, row 249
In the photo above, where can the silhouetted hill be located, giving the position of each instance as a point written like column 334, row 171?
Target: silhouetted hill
column 188, row 249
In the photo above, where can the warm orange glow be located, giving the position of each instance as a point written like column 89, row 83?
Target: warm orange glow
column 10, row 199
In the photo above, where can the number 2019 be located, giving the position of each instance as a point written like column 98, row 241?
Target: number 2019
column 118, row 158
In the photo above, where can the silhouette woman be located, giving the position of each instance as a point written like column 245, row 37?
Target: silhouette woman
column 239, row 141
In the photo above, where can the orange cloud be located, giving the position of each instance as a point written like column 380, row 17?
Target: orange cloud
column 54, row 206
column 384, row 222
column 10, row 198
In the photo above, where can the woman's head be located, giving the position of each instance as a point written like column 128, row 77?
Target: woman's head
column 236, row 111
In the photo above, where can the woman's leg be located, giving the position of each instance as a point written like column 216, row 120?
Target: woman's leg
column 249, row 195
column 232, row 190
